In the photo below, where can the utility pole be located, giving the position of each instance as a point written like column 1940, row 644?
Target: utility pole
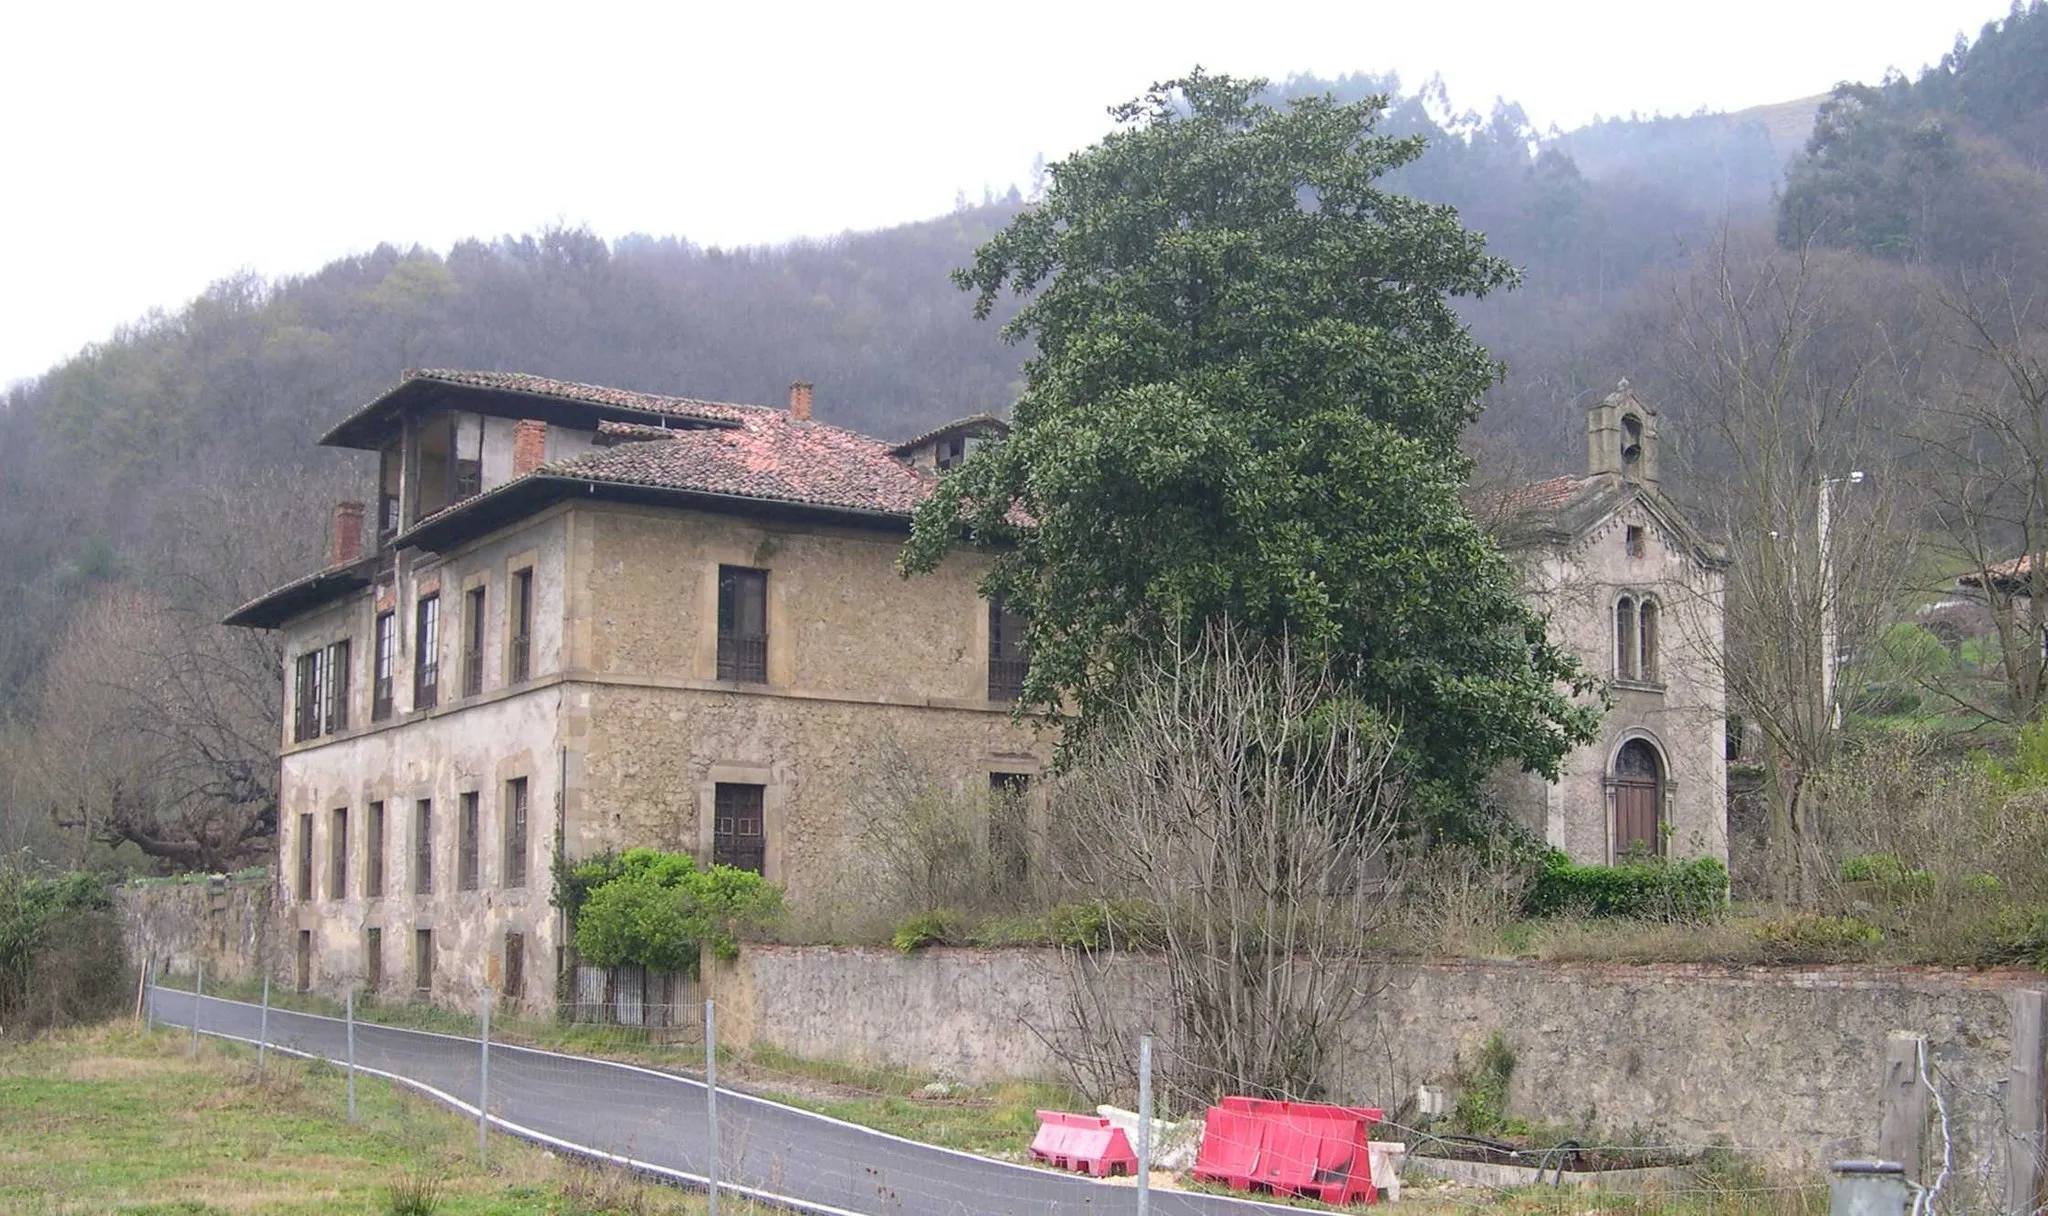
column 1828, row 644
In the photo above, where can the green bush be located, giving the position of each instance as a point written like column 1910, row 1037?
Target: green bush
column 660, row 911
column 1481, row 1109
column 1887, row 870
column 1807, row 938
column 1648, row 889
column 61, row 958
column 929, row 929
column 1130, row 924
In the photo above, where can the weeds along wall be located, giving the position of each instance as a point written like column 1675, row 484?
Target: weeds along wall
column 1789, row 1063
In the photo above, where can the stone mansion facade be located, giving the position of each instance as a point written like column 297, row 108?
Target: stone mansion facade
column 576, row 618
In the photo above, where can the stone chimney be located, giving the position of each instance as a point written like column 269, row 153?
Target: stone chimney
column 800, row 400
column 529, row 446
column 348, row 532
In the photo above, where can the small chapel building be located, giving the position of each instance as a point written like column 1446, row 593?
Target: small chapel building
column 1635, row 591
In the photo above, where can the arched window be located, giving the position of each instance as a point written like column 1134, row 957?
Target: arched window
column 1647, row 614
column 1625, row 639
column 1631, row 445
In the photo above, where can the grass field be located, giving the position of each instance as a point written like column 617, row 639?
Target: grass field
column 109, row 1119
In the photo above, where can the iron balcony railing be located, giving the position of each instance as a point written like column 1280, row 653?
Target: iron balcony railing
column 1006, row 678
column 426, row 686
column 522, row 657
column 743, row 659
column 472, row 672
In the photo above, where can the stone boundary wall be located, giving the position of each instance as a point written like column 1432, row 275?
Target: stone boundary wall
column 221, row 922
column 1788, row 1064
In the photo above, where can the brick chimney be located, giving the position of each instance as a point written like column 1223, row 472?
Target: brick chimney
column 348, row 532
column 800, row 400
column 529, row 446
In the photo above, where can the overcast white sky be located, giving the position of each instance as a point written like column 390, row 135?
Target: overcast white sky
column 149, row 149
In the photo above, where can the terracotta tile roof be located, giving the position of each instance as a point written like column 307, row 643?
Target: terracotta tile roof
column 981, row 423
column 2011, row 574
column 590, row 394
column 768, row 456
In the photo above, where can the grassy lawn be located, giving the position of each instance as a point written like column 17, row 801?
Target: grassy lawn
column 108, row 1119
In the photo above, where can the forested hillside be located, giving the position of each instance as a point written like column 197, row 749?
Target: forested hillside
column 155, row 479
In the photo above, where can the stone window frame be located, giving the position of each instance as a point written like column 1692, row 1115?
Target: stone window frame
column 528, row 562
column 781, row 653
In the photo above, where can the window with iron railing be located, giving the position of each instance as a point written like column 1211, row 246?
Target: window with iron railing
column 386, row 658
column 426, row 668
column 473, row 642
column 743, row 624
column 1007, row 660
column 305, row 875
column 373, row 851
column 337, row 854
column 519, row 662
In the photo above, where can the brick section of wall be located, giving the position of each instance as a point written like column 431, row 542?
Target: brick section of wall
column 529, row 446
column 348, row 532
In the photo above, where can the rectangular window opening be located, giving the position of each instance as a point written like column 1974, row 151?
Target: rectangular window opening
column 309, row 695
column 1635, row 540
column 743, row 624
column 515, row 965
column 473, row 642
column 519, row 664
column 305, row 961
column 373, row 851
column 386, row 643
column 1007, row 661
column 466, row 848
column 305, row 875
column 337, row 687
column 426, row 669
column 423, row 962
column 423, row 847
column 337, row 854
column 373, row 957
column 515, row 832
column 738, row 835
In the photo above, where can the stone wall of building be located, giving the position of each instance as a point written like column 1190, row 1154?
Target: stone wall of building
column 1786, row 1063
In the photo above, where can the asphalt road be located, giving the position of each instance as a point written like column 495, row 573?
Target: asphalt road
column 657, row 1121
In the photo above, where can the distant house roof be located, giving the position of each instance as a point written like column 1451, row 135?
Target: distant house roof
column 2016, row 576
column 274, row 608
column 1548, row 511
column 977, row 424
column 515, row 394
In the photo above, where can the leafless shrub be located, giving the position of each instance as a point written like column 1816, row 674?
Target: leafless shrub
column 1251, row 808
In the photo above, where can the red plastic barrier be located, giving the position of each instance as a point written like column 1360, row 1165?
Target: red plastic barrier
column 1083, row 1142
column 1289, row 1148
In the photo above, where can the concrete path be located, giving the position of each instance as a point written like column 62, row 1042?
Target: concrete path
column 656, row 1122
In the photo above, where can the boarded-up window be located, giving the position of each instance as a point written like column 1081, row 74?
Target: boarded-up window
column 466, row 842
column 373, row 851
column 515, row 832
column 423, row 847
column 337, row 854
column 373, row 957
column 423, row 961
column 304, row 888
column 737, row 837
column 742, row 624
column 515, row 965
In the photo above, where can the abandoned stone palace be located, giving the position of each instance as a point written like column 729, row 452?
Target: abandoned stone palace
column 579, row 618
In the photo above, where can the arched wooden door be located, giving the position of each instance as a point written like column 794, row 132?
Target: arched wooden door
column 1638, row 799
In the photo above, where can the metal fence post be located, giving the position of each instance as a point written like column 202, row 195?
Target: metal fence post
column 483, row 1089
column 198, row 983
column 263, row 1027
column 149, row 995
column 1144, row 1124
column 711, row 1102
column 348, row 1010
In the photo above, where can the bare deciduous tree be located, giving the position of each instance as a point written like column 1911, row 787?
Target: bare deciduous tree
column 1252, row 812
column 1784, row 367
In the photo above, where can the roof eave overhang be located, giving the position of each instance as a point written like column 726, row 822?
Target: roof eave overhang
column 369, row 426
column 489, row 512
column 273, row 609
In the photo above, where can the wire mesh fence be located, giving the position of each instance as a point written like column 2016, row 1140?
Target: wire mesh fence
column 654, row 1113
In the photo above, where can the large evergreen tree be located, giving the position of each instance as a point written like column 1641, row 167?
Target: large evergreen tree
column 1245, row 404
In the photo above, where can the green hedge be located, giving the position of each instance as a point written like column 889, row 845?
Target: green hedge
column 1640, row 890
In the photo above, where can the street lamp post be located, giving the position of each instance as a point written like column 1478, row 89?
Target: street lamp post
column 1828, row 656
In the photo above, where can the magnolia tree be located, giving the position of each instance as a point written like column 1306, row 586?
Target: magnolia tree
column 1245, row 401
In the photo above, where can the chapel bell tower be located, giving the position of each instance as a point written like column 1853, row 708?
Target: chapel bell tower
column 1621, row 438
